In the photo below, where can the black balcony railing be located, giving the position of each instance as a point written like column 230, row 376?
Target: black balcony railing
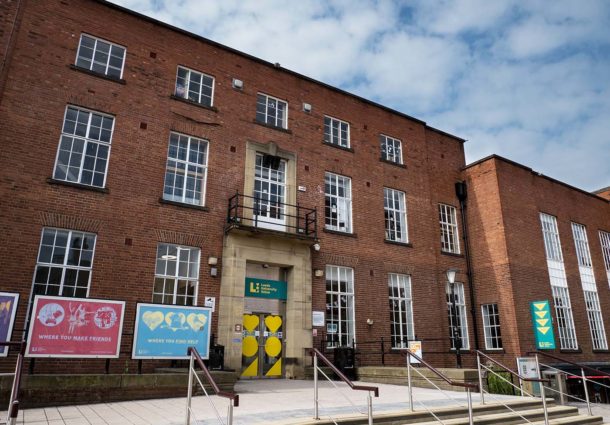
column 252, row 212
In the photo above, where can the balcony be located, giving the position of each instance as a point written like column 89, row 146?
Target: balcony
column 267, row 215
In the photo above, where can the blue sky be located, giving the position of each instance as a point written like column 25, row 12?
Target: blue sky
column 529, row 80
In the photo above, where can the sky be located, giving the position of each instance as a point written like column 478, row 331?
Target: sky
column 527, row 80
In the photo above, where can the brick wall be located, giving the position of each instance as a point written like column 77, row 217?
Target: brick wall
column 129, row 220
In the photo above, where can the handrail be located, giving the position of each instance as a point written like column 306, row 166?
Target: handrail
column 441, row 374
column 226, row 394
column 342, row 376
column 13, row 407
column 316, row 354
column 512, row 372
column 579, row 365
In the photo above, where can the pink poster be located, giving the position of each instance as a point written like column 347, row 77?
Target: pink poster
column 75, row 327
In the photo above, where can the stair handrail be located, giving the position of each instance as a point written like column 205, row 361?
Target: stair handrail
column 583, row 376
column 522, row 379
column 13, row 406
column 195, row 357
column 469, row 386
column 316, row 354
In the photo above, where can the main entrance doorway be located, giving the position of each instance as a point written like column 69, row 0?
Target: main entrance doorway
column 262, row 345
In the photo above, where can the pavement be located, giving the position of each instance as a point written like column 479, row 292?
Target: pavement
column 261, row 402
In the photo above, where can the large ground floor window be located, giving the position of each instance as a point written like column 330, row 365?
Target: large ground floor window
column 339, row 306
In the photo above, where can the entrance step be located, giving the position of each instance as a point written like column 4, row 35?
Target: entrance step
column 488, row 414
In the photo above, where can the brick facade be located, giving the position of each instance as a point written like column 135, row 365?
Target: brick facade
column 129, row 218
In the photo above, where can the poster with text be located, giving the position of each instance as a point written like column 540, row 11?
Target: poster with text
column 75, row 327
column 166, row 331
column 8, row 310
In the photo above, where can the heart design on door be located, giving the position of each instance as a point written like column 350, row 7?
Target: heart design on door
column 250, row 322
column 273, row 323
column 196, row 321
column 152, row 319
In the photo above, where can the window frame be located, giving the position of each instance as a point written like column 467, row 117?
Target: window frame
column 331, row 135
column 351, row 297
column 401, row 213
column 604, row 242
column 445, row 227
column 395, row 282
column 394, row 158
column 90, row 69
column 187, row 164
column 87, row 140
column 64, row 266
column 176, row 277
column 488, row 326
column 347, row 201
column 188, row 83
column 284, row 125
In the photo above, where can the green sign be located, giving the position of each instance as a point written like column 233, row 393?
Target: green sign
column 543, row 325
column 265, row 288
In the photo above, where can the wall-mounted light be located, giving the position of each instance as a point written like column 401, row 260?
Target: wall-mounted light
column 238, row 84
column 316, row 246
column 318, row 272
column 370, row 322
column 212, row 261
column 306, row 107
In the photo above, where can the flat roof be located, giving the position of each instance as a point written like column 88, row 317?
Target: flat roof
column 272, row 65
column 536, row 173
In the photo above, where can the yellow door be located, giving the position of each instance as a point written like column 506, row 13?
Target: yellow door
column 262, row 346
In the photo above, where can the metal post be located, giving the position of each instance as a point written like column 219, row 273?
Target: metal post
column 230, row 413
column 544, row 408
column 315, row 387
column 409, row 382
column 521, row 386
column 470, row 418
column 382, row 353
column 370, row 403
column 481, row 391
column 190, row 390
column 584, row 383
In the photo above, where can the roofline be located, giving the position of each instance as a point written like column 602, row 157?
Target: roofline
column 603, row 189
column 269, row 64
column 436, row 130
column 536, row 173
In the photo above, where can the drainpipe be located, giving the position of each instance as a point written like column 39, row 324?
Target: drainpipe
column 462, row 194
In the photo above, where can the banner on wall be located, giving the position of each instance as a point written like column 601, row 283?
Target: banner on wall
column 75, row 328
column 166, row 331
column 8, row 310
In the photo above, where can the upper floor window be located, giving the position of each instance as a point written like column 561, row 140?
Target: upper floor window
column 579, row 232
column 550, row 233
column 336, row 132
column 604, row 238
column 271, row 111
column 194, row 86
column 84, row 147
column 65, row 259
column 338, row 202
column 176, row 275
column 391, row 149
column 100, row 56
column 449, row 230
column 186, row 171
column 395, row 209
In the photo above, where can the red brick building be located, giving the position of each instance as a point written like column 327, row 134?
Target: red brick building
column 143, row 145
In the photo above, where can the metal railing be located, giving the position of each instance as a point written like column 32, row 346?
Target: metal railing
column 522, row 379
column 13, row 405
column 233, row 398
column 251, row 211
column 317, row 355
column 443, row 377
column 582, row 376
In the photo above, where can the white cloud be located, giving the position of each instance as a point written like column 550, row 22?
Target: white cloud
column 526, row 80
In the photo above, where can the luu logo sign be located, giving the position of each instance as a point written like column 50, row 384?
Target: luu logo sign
column 265, row 288
column 543, row 325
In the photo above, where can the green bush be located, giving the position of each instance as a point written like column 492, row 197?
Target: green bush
column 497, row 385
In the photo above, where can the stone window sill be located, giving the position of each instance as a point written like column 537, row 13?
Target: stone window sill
column 192, row 102
column 51, row 180
column 184, row 205
column 97, row 74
